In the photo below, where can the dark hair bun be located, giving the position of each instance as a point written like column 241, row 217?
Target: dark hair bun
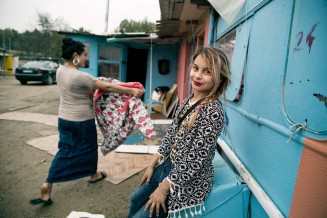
column 69, row 46
column 66, row 42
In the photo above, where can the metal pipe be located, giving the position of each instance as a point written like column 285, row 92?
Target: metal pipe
column 267, row 204
column 274, row 126
column 150, row 72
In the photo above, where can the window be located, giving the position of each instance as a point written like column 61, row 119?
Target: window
column 87, row 45
column 109, row 61
column 235, row 45
column 227, row 44
column 108, row 70
column 109, row 53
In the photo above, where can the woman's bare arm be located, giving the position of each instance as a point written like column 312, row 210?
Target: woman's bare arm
column 111, row 87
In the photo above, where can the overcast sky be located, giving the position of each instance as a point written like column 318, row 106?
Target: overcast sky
column 21, row 15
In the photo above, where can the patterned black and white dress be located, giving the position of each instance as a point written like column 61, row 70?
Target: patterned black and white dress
column 192, row 174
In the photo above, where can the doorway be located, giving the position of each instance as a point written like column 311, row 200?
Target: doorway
column 137, row 65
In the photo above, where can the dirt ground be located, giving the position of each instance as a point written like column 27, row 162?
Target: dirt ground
column 24, row 168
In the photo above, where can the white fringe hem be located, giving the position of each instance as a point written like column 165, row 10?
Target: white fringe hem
column 195, row 212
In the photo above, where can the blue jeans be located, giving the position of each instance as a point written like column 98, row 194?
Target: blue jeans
column 141, row 195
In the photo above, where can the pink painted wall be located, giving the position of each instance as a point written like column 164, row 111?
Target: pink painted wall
column 182, row 70
column 184, row 61
column 206, row 31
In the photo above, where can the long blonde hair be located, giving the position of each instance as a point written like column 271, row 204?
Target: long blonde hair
column 219, row 69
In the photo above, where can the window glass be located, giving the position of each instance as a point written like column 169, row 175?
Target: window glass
column 87, row 45
column 34, row 64
column 108, row 70
column 227, row 44
column 235, row 44
column 52, row 65
column 109, row 53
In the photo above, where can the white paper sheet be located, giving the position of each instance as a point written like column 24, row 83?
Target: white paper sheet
column 227, row 9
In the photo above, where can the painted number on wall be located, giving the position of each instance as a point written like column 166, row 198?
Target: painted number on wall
column 309, row 39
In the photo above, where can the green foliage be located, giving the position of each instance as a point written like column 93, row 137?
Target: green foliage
column 43, row 41
column 32, row 43
column 129, row 26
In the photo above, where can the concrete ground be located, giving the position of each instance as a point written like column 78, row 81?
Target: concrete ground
column 24, row 168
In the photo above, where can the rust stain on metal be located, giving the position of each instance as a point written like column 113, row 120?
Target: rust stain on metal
column 321, row 98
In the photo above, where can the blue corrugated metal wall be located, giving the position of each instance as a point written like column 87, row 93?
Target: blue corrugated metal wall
column 279, row 49
column 256, row 125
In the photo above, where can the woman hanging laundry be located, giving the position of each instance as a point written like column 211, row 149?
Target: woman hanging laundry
column 78, row 147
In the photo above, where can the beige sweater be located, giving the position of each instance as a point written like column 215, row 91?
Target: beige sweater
column 75, row 87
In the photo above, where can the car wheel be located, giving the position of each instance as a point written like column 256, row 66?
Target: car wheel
column 49, row 80
column 23, row 82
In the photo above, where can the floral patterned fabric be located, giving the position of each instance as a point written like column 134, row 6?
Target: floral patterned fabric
column 191, row 177
column 117, row 114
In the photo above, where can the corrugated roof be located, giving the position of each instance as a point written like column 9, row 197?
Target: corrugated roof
column 176, row 14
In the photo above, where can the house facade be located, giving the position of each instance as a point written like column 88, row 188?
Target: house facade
column 131, row 57
column 276, row 132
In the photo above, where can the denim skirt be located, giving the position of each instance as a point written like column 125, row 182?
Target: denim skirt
column 78, row 151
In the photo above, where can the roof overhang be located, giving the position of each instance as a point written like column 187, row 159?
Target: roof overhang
column 137, row 37
column 145, row 38
column 177, row 16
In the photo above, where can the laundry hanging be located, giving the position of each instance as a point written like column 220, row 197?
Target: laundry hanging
column 117, row 113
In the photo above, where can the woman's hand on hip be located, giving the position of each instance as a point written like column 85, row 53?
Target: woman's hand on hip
column 157, row 199
column 147, row 175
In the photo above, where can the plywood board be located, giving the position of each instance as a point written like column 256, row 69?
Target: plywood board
column 120, row 166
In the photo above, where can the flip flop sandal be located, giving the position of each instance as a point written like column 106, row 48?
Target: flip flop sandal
column 102, row 177
column 40, row 201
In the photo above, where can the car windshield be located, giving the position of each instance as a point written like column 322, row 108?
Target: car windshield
column 34, row 64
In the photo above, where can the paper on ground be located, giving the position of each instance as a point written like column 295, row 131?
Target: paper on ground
column 139, row 149
column 158, row 122
column 75, row 214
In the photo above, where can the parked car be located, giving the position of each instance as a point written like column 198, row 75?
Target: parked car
column 39, row 70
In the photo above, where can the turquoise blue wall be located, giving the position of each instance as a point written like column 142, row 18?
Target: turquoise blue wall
column 93, row 53
column 254, row 120
column 169, row 52
column 306, row 76
column 257, row 124
column 95, row 42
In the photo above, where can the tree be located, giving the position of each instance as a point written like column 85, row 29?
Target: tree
column 136, row 26
column 45, row 21
column 44, row 41
column 6, row 38
column 60, row 24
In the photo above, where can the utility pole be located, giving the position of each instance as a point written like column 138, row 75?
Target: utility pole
column 107, row 17
column 3, row 39
column 4, row 62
